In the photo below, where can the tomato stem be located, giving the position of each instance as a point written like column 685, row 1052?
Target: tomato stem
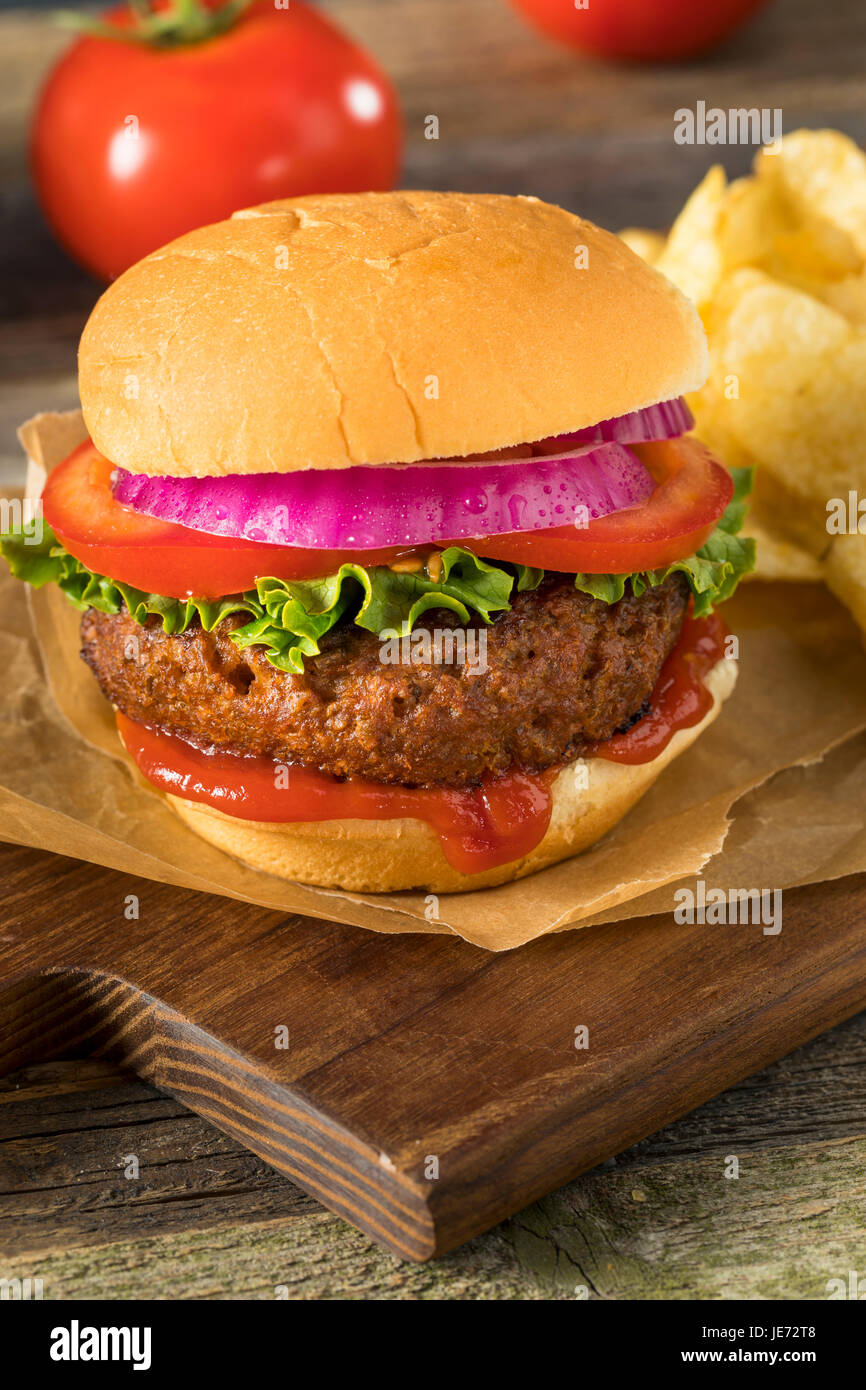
column 178, row 22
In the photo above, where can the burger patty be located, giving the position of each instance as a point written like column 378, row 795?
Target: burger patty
column 562, row 670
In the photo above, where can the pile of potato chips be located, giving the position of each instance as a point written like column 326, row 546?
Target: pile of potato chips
column 776, row 263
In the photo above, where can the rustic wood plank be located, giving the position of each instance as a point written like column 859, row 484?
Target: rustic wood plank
column 465, row 1058
column 317, row 1258
column 789, row 1223
column 67, row 1130
column 658, row 1221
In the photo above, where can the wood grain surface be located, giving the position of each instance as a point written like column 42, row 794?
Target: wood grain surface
column 207, row 1219
column 428, row 1089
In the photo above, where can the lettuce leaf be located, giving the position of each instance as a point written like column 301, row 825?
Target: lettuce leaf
column 297, row 613
column 48, row 563
column 289, row 618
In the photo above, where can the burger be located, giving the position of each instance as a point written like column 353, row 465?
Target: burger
column 396, row 557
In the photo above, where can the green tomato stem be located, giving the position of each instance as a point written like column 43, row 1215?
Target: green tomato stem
column 182, row 22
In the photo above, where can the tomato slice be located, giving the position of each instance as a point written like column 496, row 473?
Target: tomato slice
column 161, row 557
column 164, row 558
column 693, row 492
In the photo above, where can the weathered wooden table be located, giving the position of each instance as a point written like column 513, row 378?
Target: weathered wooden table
column 516, row 114
column 661, row 1221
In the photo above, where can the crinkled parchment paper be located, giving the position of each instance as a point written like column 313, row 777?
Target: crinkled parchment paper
column 65, row 785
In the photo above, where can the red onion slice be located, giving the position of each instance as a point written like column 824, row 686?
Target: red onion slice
column 663, row 421
column 365, row 508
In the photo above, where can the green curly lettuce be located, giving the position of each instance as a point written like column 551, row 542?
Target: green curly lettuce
column 45, row 561
column 295, row 614
column 290, row 617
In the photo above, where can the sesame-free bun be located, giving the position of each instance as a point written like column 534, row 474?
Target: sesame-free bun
column 380, row 856
column 370, row 328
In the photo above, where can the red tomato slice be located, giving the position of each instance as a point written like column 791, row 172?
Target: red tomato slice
column 693, row 492
column 161, row 557
column 164, row 558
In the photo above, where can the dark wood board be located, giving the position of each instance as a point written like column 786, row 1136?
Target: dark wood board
column 404, row 1048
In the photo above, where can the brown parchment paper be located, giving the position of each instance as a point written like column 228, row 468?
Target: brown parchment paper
column 66, row 786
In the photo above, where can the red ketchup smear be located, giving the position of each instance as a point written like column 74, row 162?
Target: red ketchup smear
column 680, row 699
column 478, row 827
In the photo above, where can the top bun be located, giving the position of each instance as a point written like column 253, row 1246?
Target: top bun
column 372, row 328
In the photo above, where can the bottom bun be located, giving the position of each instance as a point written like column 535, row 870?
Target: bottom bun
column 383, row 856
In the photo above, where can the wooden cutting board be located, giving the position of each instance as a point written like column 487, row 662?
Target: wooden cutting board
column 429, row 1088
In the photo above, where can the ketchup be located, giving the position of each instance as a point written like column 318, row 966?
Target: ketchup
column 479, row 827
column 680, row 699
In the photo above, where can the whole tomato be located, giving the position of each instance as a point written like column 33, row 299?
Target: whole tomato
column 639, row 29
column 136, row 142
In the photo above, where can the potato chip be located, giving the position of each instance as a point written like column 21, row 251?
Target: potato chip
column 778, row 556
column 645, row 243
column 796, row 517
column 823, row 173
column 848, row 297
column 776, row 263
column 780, row 559
column 692, row 257
column 812, row 253
column 713, row 424
column 749, row 223
column 787, row 387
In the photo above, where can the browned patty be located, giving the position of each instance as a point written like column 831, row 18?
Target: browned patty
column 563, row 669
